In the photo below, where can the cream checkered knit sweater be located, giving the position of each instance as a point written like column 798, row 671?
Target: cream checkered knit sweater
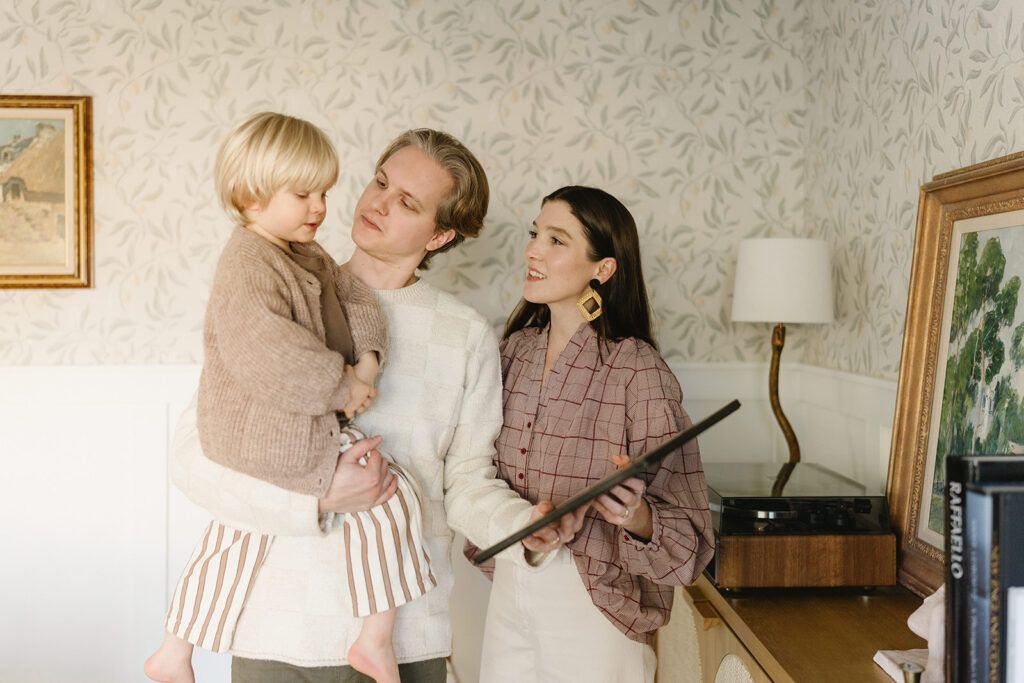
column 439, row 409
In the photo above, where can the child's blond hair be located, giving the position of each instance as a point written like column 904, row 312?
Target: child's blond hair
column 268, row 152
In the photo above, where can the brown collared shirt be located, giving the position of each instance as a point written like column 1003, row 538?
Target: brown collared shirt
column 558, row 438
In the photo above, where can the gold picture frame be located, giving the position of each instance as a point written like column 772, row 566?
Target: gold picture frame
column 959, row 214
column 46, row 210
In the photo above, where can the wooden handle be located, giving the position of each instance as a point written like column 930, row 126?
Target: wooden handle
column 710, row 618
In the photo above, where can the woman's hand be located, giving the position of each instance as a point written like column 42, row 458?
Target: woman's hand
column 625, row 505
column 558, row 533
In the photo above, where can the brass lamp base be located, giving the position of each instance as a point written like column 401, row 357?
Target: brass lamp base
column 778, row 341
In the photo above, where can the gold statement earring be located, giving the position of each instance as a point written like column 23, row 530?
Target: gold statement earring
column 589, row 303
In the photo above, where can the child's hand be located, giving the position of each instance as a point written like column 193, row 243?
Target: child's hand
column 367, row 366
column 360, row 394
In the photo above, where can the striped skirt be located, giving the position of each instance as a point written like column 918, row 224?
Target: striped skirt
column 387, row 562
column 387, row 566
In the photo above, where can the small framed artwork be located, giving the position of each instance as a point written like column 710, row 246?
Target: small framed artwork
column 961, row 378
column 45, row 191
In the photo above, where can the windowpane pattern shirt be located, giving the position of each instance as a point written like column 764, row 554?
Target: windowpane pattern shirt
column 558, row 438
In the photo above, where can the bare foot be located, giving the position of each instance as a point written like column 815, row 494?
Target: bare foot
column 172, row 663
column 376, row 660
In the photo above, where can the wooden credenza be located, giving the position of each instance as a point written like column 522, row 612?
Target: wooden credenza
column 787, row 635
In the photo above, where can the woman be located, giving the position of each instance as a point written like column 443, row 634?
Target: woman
column 583, row 384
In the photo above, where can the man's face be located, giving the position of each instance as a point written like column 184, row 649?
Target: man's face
column 395, row 217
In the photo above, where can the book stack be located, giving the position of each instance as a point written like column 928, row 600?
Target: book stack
column 984, row 568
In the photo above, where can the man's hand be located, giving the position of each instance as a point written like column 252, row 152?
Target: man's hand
column 558, row 533
column 356, row 487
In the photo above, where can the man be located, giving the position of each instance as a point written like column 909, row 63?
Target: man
column 439, row 411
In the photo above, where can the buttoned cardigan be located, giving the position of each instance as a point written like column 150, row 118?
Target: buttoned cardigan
column 270, row 388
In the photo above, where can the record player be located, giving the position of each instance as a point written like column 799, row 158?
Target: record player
column 825, row 530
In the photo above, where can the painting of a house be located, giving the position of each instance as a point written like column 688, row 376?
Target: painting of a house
column 33, row 221
column 11, row 149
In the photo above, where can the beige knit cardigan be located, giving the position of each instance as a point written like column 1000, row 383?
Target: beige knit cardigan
column 270, row 388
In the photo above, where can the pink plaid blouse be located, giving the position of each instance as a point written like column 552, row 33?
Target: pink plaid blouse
column 559, row 438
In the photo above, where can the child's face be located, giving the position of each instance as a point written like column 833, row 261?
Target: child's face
column 290, row 216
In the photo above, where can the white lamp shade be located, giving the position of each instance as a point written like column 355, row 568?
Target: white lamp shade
column 782, row 280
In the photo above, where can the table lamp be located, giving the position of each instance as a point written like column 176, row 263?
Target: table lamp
column 782, row 280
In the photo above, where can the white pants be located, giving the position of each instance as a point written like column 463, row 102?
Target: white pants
column 542, row 627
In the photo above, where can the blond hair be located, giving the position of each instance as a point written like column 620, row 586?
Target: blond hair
column 464, row 208
column 268, row 152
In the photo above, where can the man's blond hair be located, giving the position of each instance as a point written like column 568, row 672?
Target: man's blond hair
column 266, row 153
column 465, row 206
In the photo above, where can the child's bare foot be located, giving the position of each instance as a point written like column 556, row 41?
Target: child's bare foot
column 374, row 659
column 172, row 663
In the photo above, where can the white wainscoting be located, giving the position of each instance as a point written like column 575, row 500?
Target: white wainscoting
column 94, row 536
column 842, row 421
column 87, row 530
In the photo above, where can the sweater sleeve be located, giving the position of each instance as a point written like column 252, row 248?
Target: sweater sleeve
column 480, row 506
column 234, row 498
column 269, row 354
column 682, row 542
column 364, row 314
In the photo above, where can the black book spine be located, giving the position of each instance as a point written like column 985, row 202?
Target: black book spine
column 994, row 565
column 1013, row 592
column 977, row 553
column 962, row 471
column 995, row 589
column 1007, row 572
column 956, row 595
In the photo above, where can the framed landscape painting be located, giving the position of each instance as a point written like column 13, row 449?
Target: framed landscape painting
column 961, row 379
column 45, row 191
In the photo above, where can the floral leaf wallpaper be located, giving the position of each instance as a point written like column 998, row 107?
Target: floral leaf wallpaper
column 897, row 93
column 712, row 120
